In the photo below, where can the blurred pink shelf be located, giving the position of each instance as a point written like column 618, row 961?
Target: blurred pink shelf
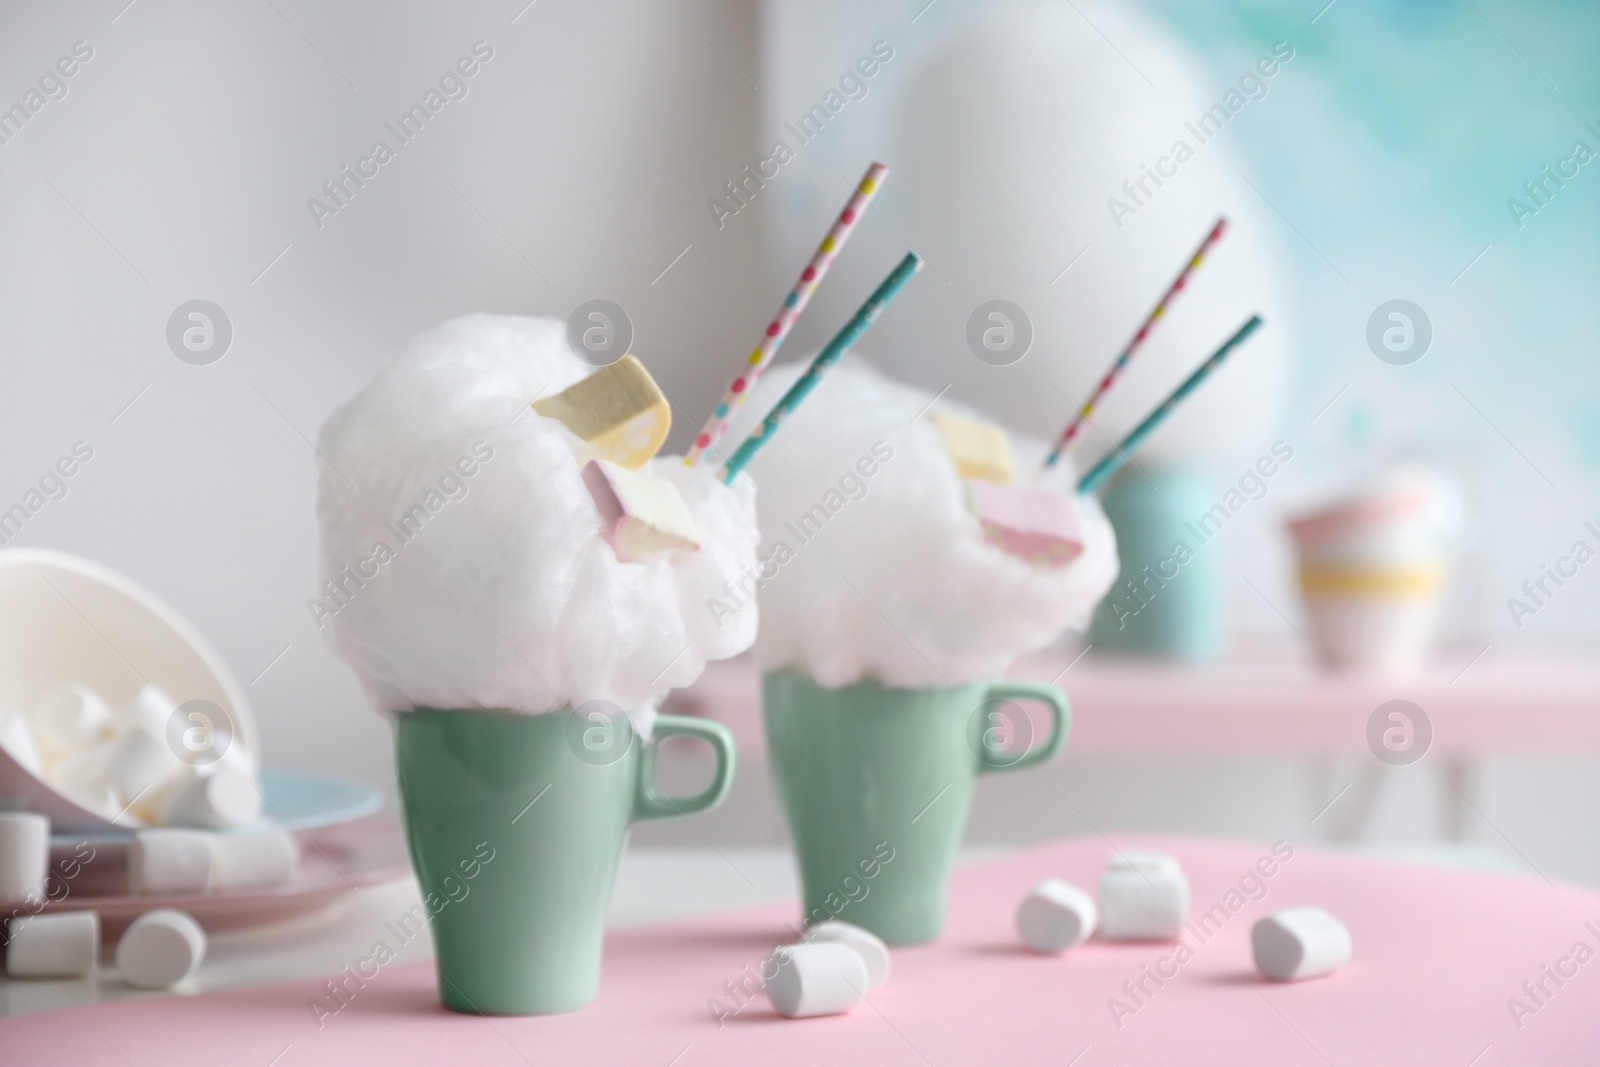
column 1276, row 705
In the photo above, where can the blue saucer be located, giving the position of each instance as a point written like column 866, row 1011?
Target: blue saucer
column 297, row 801
column 311, row 801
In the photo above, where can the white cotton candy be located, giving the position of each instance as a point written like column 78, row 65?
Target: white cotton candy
column 898, row 584
column 505, row 594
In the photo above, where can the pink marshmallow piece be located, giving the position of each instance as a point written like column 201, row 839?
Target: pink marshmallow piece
column 1032, row 524
column 642, row 515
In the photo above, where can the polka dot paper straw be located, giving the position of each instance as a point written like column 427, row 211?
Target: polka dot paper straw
column 803, row 385
column 1069, row 436
column 778, row 329
column 1114, row 459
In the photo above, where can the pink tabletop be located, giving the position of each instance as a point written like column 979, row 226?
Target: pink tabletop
column 1438, row 954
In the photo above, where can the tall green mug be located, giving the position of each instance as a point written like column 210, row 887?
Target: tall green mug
column 877, row 782
column 516, row 824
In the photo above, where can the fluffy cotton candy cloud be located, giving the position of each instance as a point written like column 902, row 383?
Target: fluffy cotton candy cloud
column 898, row 583
column 462, row 556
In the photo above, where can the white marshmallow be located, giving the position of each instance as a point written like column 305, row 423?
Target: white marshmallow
column 54, row 945
column 1055, row 916
column 175, row 860
column 1144, row 896
column 16, row 737
column 83, row 779
column 874, row 953
column 170, row 861
column 150, row 708
column 24, row 855
column 69, row 718
column 160, row 949
column 824, row 978
column 1299, row 943
column 253, row 859
column 88, row 764
column 221, row 799
column 1142, row 861
column 140, row 766
column 93, row 795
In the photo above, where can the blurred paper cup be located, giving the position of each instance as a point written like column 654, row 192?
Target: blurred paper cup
column 1373, row 569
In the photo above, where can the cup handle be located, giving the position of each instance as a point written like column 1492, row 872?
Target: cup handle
column 650, row 802
column 1060, row 717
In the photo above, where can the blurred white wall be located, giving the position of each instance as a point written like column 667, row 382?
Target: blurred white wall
column 178, row 166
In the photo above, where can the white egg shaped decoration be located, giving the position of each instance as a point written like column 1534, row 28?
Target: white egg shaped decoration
column 1032, row 141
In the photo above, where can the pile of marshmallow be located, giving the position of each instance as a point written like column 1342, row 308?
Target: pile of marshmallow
column 118, row 763
column 1144, row 896
column 161, row 947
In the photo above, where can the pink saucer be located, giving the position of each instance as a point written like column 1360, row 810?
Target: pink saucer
column 334, row 861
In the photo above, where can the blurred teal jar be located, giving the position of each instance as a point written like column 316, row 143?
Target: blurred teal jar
column 1168, row 600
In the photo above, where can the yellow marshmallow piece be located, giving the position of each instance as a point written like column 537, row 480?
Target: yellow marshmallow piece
column 642, row 515
column 981, row 450
column 619, row 410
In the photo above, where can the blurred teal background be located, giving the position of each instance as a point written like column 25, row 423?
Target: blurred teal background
column 1392, row 148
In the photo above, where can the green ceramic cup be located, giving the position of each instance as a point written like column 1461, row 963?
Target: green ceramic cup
column 549, row 799
column 876, row 783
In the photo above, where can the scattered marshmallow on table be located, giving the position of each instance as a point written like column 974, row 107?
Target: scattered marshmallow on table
column 1144, row 896
column 1299, row 943
column 53, row 945
column 819, row 978
column 1055, row 916
column 160, row 949
column 24, row 855
column 872, row 949
column 222, row 798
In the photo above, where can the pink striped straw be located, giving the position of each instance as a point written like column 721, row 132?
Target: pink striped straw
column 778, row 330
column 1069, row 436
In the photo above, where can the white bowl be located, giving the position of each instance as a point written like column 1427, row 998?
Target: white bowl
column 65, row 619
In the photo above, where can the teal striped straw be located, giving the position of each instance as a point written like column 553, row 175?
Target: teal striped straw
column 1114, row 460
column 846, row 337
